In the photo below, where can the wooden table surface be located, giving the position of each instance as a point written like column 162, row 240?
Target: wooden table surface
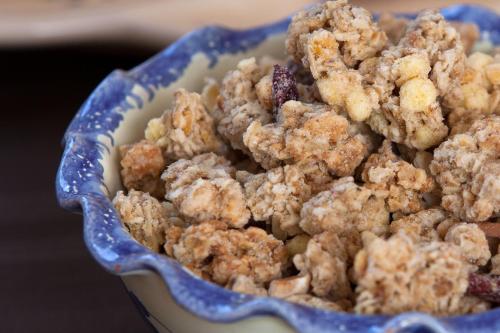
column 48, row 281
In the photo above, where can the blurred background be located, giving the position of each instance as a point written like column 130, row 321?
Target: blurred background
column 52, row 54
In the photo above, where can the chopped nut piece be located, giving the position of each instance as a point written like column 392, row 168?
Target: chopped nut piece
column 471, row 241
column 244, row 284
column 297, row 244
column 264, row 91
column 287, row 287
column 210, row 96
column 415, row 66
column 417, row 95
column 142, row 163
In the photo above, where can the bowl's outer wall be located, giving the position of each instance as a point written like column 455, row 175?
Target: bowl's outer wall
column 80, row 187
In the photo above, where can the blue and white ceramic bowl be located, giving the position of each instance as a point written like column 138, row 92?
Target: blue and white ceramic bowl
column 171, row 298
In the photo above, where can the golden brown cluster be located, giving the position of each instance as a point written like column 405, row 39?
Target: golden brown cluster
column 360, row 175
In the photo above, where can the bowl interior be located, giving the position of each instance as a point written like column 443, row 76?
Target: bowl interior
column 134, row 122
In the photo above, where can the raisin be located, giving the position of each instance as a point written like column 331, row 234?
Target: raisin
column 284, row 86
column 485, row 286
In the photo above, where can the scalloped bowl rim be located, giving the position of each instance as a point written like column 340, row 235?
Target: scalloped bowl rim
column 118, row 253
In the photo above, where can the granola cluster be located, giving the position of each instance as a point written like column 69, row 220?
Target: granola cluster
column 478, row 94
column 307, row 132
column 213, row 251
column 467, row 167
column 360, row 175
column 185, row 130
column 401, row 183
column 397, row 275
column 203, row 189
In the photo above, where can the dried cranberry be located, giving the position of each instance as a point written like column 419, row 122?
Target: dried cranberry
column 485, row 286
column 284, row 86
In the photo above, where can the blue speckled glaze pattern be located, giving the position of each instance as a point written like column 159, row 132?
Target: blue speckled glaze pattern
column 80, row 179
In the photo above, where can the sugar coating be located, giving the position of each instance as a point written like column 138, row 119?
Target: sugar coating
column 467, row 166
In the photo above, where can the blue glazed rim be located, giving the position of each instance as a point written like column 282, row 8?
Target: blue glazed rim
column 80, row 188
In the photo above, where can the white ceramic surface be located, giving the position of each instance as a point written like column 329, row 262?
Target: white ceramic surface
column 168, row 317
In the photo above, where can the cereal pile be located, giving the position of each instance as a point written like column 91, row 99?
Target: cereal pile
column 362, row 174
